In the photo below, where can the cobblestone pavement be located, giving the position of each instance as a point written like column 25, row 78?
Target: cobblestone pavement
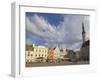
column 57, row 64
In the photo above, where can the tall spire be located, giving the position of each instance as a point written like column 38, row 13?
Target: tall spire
column 83, row 30
column 83, row 33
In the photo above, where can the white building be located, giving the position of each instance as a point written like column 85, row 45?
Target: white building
column 57, row 53
column 63, row 52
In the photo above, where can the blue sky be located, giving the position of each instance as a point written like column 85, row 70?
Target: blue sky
column 51, row 30
column 53, row 19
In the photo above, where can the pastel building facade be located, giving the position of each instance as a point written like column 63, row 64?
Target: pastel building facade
column 29, row 53
column 36, row 53
column 50, row 54
column 63, row 52
column 57, row 53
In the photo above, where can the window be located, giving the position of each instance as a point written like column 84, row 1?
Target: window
column 39, row 55
column 31, row 54
column 36, row 55
column 42, row 55
column 28, row 53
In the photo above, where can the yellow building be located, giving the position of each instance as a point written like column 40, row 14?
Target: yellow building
column 29, row 53
column 36, row 53
column 40, row 53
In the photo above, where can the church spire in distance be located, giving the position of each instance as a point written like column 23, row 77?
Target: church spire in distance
column 83, row 32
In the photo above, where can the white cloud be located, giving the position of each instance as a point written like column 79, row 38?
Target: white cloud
column 67, row 33
column 40, row 27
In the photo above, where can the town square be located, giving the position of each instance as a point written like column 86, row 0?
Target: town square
column 56, row 39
